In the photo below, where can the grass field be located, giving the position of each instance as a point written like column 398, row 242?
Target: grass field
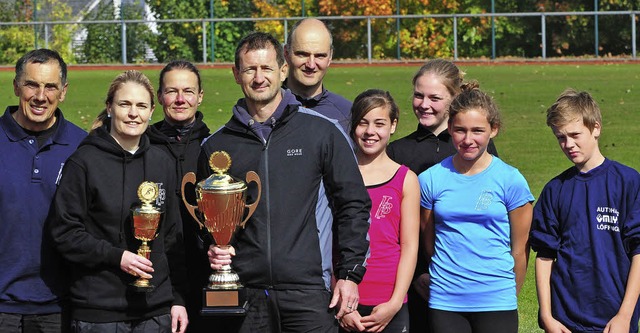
column 523, row 93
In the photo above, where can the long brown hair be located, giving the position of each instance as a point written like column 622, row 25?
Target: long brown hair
column 369, row 100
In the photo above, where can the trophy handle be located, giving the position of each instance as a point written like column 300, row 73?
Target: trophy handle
column 252, row 177
column 190, row 178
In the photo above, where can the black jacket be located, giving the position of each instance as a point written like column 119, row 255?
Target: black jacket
column 287, row 242
column 92, row 228
column 184, row 154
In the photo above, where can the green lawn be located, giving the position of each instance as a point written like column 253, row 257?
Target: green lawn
column 523, row 93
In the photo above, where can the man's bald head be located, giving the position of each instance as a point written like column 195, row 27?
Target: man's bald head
column 308, row 51
column 312, row 24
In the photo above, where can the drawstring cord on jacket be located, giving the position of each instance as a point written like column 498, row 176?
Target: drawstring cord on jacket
column 123, row 195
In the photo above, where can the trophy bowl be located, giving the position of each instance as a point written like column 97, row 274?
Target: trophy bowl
column 222, row 202
column 146, row 219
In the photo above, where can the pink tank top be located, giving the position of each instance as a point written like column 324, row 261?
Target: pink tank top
column 384, row 237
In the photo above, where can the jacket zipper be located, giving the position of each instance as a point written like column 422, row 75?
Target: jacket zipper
column 268, row 205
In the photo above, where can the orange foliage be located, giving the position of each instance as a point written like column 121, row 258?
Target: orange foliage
column 356, row 8
column 419, row 38
column 286, row 8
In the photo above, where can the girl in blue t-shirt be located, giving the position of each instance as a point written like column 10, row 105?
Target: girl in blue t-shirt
column 475, row 217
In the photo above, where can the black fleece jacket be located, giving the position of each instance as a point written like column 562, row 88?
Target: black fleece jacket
column 184, row 154
column 300, row 159
column 92, row 227
column 185, row 151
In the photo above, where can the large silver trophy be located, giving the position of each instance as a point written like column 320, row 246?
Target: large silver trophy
column 222, row 201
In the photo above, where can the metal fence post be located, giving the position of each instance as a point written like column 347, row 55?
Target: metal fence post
column 123, row 35
column 286, row 31
column 398, row 29
column 493, row 30
column 543, row 27
column 455, row 37
column 204, row 42
column 46, row 36
column 633, row 35
column 123, row 41
column 369, row 38
column 595, row 17
column 35, row 26
column 213, row 32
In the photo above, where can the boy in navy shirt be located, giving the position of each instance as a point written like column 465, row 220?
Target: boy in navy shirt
column 586, row 230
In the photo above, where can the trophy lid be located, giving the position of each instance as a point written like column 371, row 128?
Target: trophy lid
column 220, row 162
column 147, row 193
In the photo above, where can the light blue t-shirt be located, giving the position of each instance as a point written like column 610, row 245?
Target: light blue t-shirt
column 472, row 267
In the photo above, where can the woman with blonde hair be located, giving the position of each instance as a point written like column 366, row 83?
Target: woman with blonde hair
column 435, row 85
column 93, row 230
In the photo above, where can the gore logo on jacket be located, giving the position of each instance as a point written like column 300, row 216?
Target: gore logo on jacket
column 294, row 152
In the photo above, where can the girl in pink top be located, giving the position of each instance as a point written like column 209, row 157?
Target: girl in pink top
column 395, row 225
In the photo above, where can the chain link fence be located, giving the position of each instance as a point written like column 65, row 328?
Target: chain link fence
column 135, row 37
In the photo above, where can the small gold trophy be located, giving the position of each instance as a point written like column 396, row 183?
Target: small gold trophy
column 145, row 224
column 222, row 200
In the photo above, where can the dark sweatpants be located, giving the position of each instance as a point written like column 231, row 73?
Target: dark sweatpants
column 289, row 311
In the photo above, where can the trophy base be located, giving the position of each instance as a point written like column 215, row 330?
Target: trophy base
column 221, row 302
column 141, row 287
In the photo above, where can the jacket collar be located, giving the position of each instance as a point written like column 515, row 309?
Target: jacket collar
column 198, row 131
column 422, row 133
column 16, row 133
column 312, row 102
column 101, row 139
column 242, row 120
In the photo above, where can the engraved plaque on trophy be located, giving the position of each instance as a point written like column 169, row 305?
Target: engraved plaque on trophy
column 222, row 201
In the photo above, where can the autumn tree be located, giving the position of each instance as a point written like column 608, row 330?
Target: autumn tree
column 432, row 37
column 575, row 35
column 103, row 41
column 61, row 35
column 178, row 40
column 227, row 34
column 418, row 38
column 19, row 39
column 15, row 40
column 282, row 9
column 350, row 36
column 616, row 36
column 517, row 36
